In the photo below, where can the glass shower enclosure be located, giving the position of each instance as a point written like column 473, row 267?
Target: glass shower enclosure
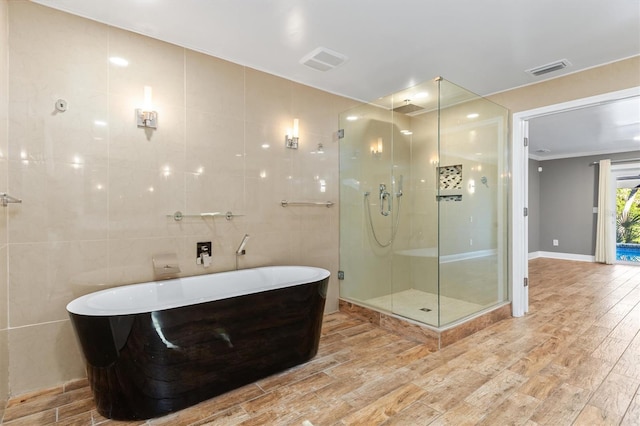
column 423, row 204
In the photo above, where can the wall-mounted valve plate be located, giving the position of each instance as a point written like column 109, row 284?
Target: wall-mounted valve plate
column 203, row 249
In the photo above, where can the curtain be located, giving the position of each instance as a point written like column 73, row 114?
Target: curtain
column 606, row 231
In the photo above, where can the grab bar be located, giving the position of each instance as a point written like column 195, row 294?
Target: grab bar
column 285, row 203
column 6, row 199
column 178, row 216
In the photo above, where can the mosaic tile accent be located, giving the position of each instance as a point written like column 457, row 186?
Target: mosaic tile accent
column 449, row 197
column 450, row 177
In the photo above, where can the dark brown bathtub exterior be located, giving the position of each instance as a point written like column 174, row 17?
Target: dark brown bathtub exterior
column 146, row 365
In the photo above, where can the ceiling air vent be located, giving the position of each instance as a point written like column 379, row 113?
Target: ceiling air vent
column 323, row 59
column 545, row 69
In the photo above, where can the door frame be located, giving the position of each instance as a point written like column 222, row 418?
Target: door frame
column 520, row 191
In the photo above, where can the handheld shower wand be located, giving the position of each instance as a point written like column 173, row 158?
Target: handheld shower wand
column 241, row 251
column 386, row 196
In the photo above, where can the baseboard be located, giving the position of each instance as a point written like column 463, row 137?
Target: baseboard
column 563, row 256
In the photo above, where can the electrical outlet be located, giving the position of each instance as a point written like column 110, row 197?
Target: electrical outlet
column 555, row 243
column 470, row 241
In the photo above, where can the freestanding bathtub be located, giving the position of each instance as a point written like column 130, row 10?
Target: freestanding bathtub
column 158, row 347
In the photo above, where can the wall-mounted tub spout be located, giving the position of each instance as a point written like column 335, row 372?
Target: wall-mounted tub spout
column 165, row 265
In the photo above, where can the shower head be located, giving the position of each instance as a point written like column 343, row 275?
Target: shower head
column 407, row 108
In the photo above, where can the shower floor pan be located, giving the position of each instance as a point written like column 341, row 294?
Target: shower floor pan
column 403, row 320
column 412, row 304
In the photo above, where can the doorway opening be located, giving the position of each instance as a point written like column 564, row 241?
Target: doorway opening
column 519, row 194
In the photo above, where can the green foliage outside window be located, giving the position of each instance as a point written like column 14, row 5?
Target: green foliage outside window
column 627, row 216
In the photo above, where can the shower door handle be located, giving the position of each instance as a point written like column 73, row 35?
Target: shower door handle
column 384, row 195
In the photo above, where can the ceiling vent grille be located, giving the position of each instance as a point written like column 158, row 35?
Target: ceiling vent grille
column 553, row 66
column 323, row 59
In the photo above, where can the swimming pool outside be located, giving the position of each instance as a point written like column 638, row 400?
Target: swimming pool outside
column 628, row 252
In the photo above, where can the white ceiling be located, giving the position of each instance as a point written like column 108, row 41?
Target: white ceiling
column 599, row 129
column 483, row 46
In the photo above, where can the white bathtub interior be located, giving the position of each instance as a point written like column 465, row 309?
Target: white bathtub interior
column 178, row 292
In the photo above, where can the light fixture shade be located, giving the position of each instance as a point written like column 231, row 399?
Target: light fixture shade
column 376, row 148
column 291, row 138
column 146, row 116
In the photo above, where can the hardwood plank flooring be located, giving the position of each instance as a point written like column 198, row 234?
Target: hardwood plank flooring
column 574, row 359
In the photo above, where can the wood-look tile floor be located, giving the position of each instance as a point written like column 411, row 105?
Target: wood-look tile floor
column 574, row 359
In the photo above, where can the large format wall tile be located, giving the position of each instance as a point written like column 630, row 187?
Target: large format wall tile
column 78, row 135
column 268, row 100
column 214, row 85
column 61, row 201
column 55, row 51
column 44, row 277
column 151, row 63
column 131, row 260
column 214, row 144
column 99, row 191
column 42, row 356
column 163, row 147
column 141, row 197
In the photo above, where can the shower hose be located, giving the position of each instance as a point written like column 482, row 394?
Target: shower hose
column 394, row 228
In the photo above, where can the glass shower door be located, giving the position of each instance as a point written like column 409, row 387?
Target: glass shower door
column 365, row 206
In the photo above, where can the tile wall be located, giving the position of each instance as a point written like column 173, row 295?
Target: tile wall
column 4, row 71
column 97, row 189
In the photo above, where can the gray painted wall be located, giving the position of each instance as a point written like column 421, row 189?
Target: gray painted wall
column 567, row 194
column 534, row 206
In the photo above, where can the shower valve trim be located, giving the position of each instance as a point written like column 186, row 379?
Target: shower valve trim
column 385, row 196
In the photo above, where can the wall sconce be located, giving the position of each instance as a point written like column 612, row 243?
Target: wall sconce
column 376, row 150
column 146, row 116
column 291, row 138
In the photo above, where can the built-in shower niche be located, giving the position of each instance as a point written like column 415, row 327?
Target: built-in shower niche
column 450, row 183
